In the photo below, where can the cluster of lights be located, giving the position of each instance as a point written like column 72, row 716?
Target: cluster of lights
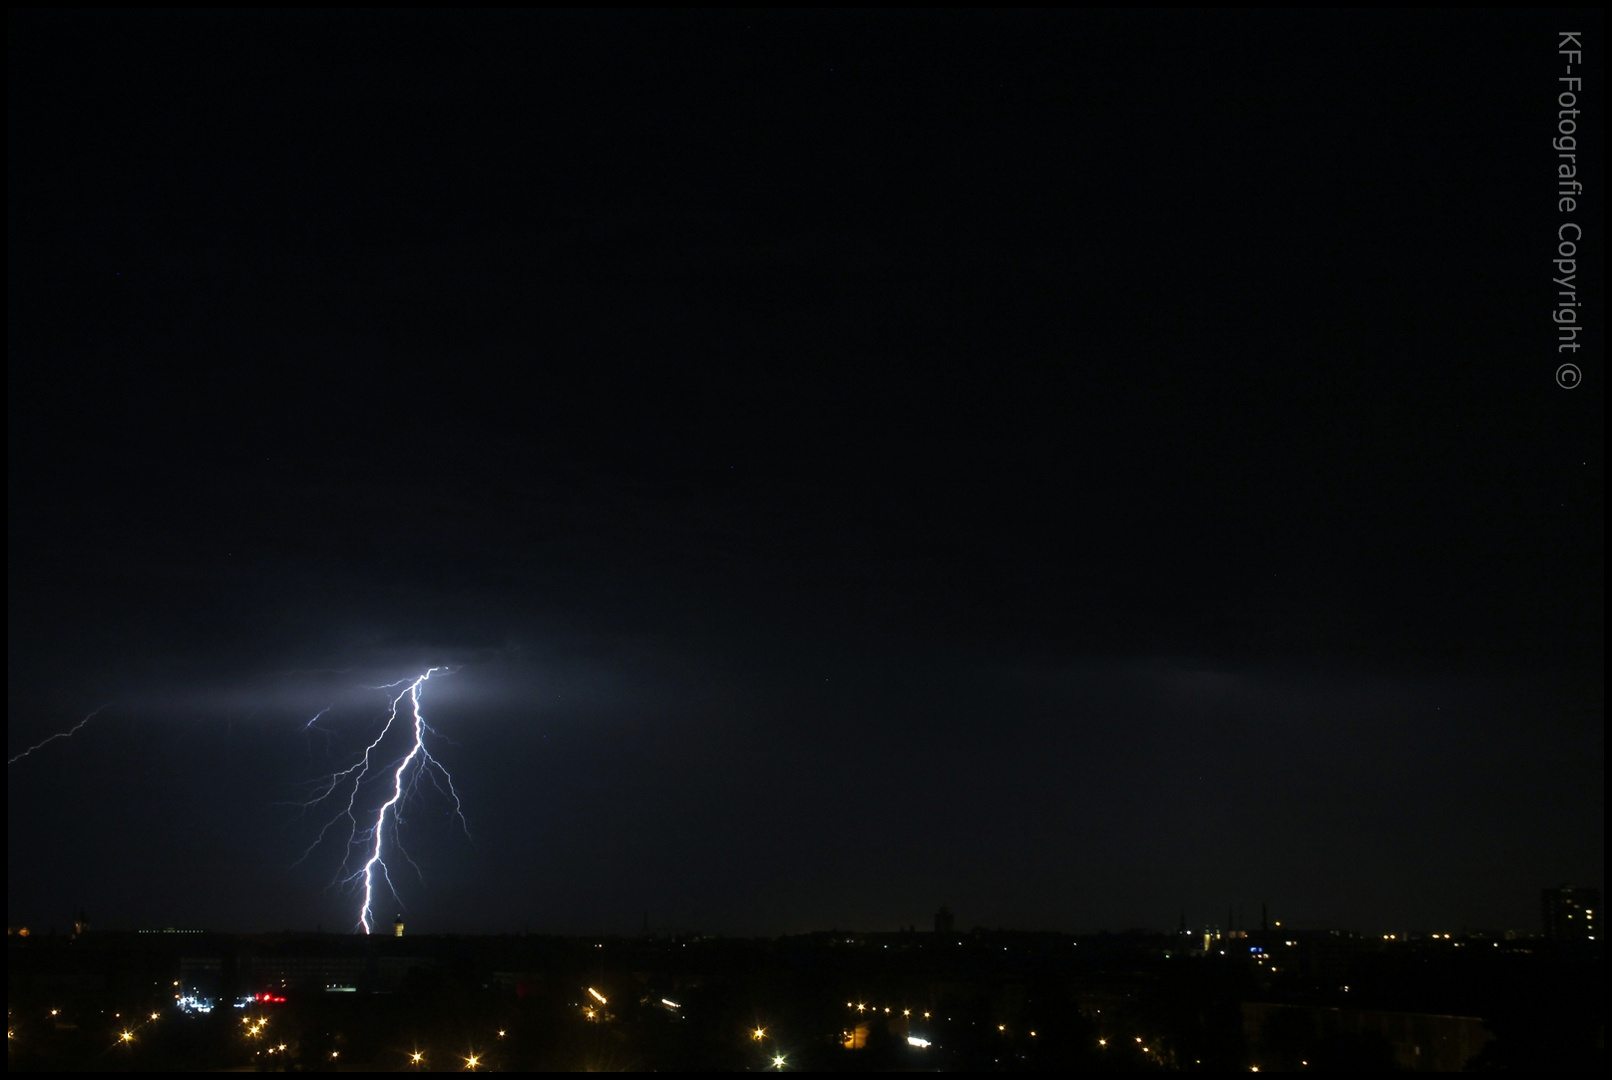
column 1142, row 1045
column 125, row 1036
column 852, row 1042
column 472, row 1061
column 759, row 1033
column 862, row 1007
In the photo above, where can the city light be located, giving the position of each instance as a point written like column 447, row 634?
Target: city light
column 861, row 1037
column 194, row 1003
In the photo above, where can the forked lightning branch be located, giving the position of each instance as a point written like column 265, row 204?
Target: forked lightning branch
column 375, row 834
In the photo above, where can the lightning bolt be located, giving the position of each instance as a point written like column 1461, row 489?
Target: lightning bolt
column 371, row 838
column 59, row 735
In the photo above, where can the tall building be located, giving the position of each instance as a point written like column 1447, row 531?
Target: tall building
column 397, row 927
column 1570, row 913
column 944, row 920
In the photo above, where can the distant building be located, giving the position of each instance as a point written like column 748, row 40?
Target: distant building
column 397, row 927
column 1413, row 1042
column 945, row 922
column 1569, row 913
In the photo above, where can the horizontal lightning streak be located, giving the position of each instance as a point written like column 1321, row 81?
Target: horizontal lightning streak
column 59, row 735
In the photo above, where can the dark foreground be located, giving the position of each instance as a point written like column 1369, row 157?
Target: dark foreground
column 834, row 1001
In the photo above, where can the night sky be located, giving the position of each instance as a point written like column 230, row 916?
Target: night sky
column 1077, row 468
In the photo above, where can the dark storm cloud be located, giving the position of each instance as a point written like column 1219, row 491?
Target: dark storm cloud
column 849, row 464
column 1196, row 787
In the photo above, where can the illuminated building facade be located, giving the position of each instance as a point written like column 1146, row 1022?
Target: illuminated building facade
column 1570, row 913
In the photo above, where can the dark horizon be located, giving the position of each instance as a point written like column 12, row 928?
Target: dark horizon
column 1077, row 468
column 1216, row 926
